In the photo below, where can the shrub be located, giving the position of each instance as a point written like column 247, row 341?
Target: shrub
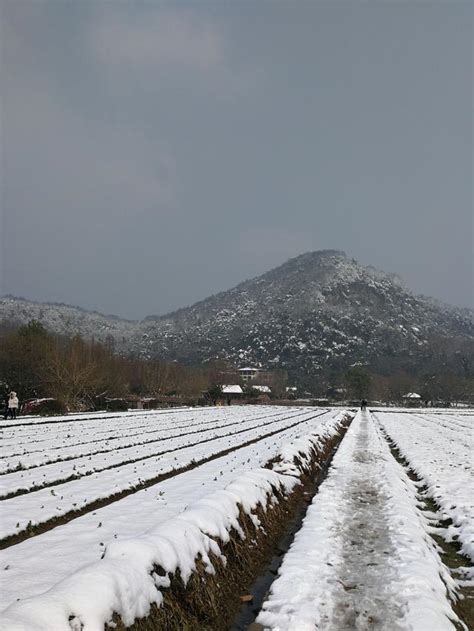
column 151, row 404
column 117, row 405
column 190, row 401
column 45, row 407
column 214, row 393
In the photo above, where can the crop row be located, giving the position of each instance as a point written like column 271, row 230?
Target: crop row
column 90, row 427
column 24, row 512
column 111, row 455
column 84, row 539
column 59, row 452
column 363, row 558
column 444, row 466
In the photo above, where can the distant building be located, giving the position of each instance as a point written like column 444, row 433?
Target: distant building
column 413, row 396
column 253, row 374
column 232, row 390
column 249, row 374
column 412, row 399
column 336, row 394
column 263, row 389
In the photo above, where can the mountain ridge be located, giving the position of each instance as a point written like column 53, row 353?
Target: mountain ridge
column 395, row 276
column 317, row 312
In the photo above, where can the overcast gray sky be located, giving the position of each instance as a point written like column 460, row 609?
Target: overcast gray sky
column 156, row 153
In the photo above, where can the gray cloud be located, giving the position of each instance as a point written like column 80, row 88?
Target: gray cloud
column 166, row 37
column 156, row 153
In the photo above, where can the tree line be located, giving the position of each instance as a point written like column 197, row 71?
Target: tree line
column 443, row 388
column 81, row 374
column 36, row 363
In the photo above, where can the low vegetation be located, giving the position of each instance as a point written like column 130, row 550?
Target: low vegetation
column 71, row 373
column 82, row 374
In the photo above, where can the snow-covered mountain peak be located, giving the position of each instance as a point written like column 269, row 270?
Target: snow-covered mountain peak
column 318, row 312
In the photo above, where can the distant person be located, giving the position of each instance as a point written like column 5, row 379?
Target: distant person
column 363, row 405
column 12, row 404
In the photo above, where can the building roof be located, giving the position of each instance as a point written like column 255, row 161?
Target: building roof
column 412, row 395
column 232, row 389
column 253, row 369
column 262, row 388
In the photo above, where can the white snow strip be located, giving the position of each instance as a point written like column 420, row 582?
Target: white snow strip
column 61, row 420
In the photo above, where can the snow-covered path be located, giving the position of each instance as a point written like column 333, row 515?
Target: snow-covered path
column 367, row 547
column 363, row 559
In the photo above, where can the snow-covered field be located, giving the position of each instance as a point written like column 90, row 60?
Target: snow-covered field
column 102, row 475
column 210, row 449
column 106, row 497
column 43, row 468
column 440, row 450
column 363, row 558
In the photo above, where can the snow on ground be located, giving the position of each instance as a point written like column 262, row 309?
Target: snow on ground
column 26, row 567
column 124, row 581
column 55, row 435
column 363, row 558
column 439, row 449
column 76, row 416
column 104, row 456
column 40, row 506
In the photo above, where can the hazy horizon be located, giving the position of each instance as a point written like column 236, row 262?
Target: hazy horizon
column 153, row 154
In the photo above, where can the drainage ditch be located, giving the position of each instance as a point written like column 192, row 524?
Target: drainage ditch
column 258, row 590
column 214, row 602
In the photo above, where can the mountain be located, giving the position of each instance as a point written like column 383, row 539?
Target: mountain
column 318, row 312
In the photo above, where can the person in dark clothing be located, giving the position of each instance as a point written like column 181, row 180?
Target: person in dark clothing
column 363, row 405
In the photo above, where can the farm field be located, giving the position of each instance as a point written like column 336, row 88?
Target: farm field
column 110, row 497
column 440, row 450
column 365, row 528
column 210, row 448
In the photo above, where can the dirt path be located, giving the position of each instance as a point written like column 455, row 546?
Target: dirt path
column 363, row 602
